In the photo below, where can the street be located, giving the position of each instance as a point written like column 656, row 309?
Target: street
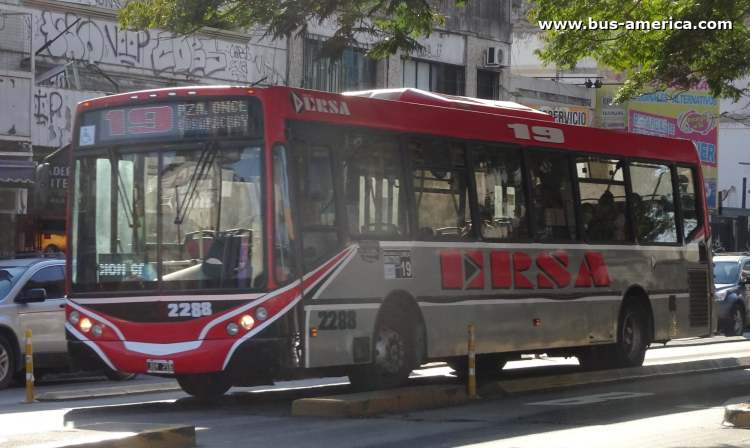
column 666, row 412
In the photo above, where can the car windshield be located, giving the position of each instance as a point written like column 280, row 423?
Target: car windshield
column 725, row 272
column 9, row 276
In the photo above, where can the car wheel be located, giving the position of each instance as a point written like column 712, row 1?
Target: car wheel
column 205, row 385
column 7, row 363
column 737, row 323
column 114, row 375
column 393, row 353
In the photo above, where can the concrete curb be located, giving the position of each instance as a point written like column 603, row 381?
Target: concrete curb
column 106, row 392
column 737, row 415
column 168, row 437
column 577, row 379
column 413, row 398
column 372, row 403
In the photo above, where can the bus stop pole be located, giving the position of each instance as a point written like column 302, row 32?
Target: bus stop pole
column 29, row 369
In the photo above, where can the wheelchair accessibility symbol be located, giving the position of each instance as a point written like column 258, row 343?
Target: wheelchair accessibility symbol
column 87, row 135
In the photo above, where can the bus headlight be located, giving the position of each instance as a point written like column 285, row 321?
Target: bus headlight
column 232, row 328
column 261, row 313
column 247, row 322
column 74, row 317
column 720, row 296
column 96, row 330
column 85, row 324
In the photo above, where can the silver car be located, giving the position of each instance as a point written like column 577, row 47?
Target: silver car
column 32, row 297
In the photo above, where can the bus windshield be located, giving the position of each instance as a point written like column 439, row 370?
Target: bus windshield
column 168, row 219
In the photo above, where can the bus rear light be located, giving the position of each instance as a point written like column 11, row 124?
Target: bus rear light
column 96, row 330
column 261, row 313
column 85, row 324
column 232, row 329
column 313, row 332
column 247, row 322
column 74, row 317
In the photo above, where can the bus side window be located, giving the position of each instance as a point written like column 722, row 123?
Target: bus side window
column 441, row 189
column 500, row 192
column 653, row 203
column 373, row 186
column 604, row 207
column 554, row 211
column 688, row 203
column 284, row 231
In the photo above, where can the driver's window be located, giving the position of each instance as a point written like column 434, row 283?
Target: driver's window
column 51, row 279
column 745, row 274
column 500, row 192
column 373, row 185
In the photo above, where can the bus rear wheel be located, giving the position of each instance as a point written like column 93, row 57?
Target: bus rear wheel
column 632, row 336
column 393, row 354
column 204, row 385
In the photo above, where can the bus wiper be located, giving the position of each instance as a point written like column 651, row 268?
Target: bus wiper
column 113, row 160
column 206, row 159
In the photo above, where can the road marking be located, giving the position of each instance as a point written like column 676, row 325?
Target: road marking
column 590, row 399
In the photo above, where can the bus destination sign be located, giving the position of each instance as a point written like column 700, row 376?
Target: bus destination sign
column 182, row 119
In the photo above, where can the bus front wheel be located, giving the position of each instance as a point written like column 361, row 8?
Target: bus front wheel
column 204, row 385
column 393, row 354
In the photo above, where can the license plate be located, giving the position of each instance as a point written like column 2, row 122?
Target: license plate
column 159, row 366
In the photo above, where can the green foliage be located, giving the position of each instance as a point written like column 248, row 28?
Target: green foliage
column 656, row 59
column 392, row 24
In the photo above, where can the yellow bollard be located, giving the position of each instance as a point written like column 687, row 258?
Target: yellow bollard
column 29, row 369
column 472, row 389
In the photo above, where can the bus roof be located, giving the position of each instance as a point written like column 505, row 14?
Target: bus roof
column 416, row 96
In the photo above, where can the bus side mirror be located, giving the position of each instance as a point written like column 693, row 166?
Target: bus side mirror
column 318, row 181
column 703, row 252
column 41, row 186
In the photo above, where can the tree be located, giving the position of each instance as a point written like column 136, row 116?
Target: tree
column 656, row 59
column 392, row 24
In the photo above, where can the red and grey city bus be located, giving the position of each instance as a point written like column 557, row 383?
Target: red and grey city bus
column 233, row 236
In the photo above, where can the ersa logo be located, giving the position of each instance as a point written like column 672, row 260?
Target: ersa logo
column 301, row 103
column 466, row 270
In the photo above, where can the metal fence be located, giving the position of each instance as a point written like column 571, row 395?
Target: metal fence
column 15, row 41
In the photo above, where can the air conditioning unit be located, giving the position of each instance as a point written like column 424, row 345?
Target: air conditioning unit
column 496, row 57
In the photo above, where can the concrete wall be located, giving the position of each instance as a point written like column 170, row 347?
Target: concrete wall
column 483, row 18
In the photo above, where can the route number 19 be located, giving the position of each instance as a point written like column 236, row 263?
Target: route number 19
column 541, row 133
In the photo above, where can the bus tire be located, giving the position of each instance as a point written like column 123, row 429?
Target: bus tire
column 204, row 385
column 7, row 363
column 393, row 353
column 632, row 335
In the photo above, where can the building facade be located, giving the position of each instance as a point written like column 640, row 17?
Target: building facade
column 57, row 53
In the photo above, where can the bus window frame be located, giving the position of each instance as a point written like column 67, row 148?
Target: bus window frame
column 403, row 156
column 628, row 192
column 699, row 209
column 258, row 135
column 501, row 145
column 101, row 150
column 468, row 169
column 296, row 245
column 673, row 170
column 574, row 191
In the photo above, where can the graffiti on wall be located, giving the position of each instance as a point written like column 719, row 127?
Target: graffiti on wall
column 52, row 114
column 157, row 51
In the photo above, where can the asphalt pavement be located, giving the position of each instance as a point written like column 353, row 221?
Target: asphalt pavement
column 681, row 411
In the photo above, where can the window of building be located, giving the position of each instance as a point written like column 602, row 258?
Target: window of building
column 488, row 85
column 435, row 77
column 352, row 72
column 373, row 185
column 653, row 203
column 500, row 192
column 603, row 199
column 441, row 189
column 554, row 211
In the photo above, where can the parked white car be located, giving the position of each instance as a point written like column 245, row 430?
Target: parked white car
column 32, row 297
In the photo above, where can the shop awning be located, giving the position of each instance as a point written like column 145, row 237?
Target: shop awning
column 17, row 174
